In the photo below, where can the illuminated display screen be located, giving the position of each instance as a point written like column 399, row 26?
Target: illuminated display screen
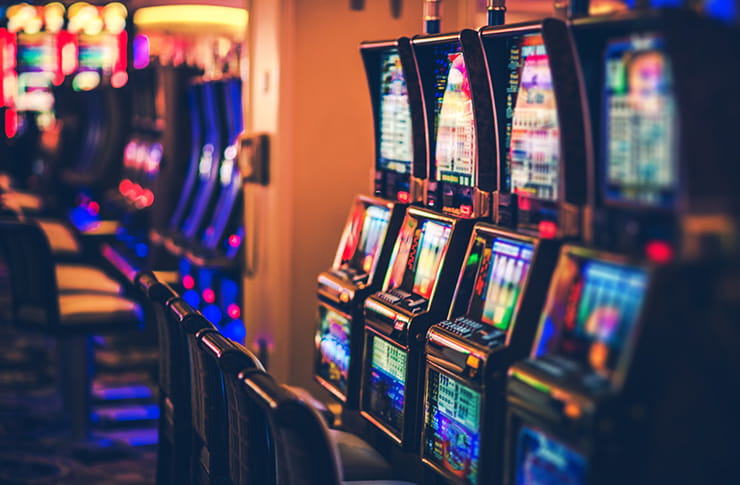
column 333, row 346
column 387, row 383
column 395, row 116
column 640, row 126
column 455, row 152
column 364, row 238
column 532, row 130
column 452, row 426
column 502, row 272
column 94, row 55
column 591, row 311
column 418, row 255
column 541, row 460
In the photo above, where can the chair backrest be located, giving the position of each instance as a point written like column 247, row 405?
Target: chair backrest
column 250, row 451
column 31, row 273
column 174, row 445
column 304, row 453
column 206, row 395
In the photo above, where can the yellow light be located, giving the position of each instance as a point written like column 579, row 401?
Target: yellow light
column 192, row 18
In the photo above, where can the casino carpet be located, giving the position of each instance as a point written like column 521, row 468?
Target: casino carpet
column 33, row 446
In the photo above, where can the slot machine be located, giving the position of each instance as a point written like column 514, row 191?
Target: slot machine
column 418, row 286
column 505, row 273
column 597, row 401
column 373, row 222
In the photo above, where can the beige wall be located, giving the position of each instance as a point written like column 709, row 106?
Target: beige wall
column 308, row 90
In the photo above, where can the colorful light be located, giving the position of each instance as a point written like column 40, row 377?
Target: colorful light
column 141, row 51
column 209, row 296
column 235, row 240
column 548, row 229
column 93, row 208
column 234, row 311
column 404, row 197
column 466, row 210
column 659, row 252
column 188, row 282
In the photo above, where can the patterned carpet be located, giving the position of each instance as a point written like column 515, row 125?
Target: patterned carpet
column 34, row 448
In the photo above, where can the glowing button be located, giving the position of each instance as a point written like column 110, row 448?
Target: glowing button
column 404, row 197
column 548, row 229
column 659, row 252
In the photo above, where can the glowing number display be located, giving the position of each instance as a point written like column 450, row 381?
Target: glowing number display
column 387, row 383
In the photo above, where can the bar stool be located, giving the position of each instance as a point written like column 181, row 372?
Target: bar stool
column 72, row 318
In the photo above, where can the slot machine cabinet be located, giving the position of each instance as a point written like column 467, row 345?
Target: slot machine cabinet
column 416, row 293
column 367, row 241
column 661, row 131
column 462, row 159
column 357, row 272
column 400, row 135
column 497, row 302
column 543, row 148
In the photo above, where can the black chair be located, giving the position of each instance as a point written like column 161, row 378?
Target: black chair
column 208, row 458
column 175, row 429
column 250, row 457
column 304, row 451
column 72, row 318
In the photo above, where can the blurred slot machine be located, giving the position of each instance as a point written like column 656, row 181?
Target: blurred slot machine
column 505, row 273
column 94, row 102
column 460, row 177
column 374, row 221
column 598, row 399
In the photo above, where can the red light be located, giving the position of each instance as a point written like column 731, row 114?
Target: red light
column 188, row 282
column 525, row 203
column 466, row 210
column 118, row 79
column 404, row 197
column 209, row 296
column 659, row 252
column 93, row 208
column 11, row 123
column 148, row 197
column 234, row 311
column 235, row 240
column 548, row 229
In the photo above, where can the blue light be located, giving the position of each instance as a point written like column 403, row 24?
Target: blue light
column 235, row 331
column 725, row 10
column 213, row 314
column 142, row 250
column 192, row 297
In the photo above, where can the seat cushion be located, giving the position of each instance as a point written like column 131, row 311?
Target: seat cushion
column 80, row 277
column 61, row 238
column 359, row 460
column 97, row 312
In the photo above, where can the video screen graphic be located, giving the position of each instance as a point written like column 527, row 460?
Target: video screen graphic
column 418, row 255
column 541, row 460
column 591, row 311
column 532, row 129
column 455, row 153
column 504, row 265
column 387, row 383
column 396, row 145
column 452, row 426
column 333, row 347
column 640, row 122
column 364, row 239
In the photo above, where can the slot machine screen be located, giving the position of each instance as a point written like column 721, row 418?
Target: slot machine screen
column 364, row 238
column 455, row 148
column 452, row 426
column 591, row 311
column 640, row 122
column 35, row 65
column 387, row 382
column 395, row 116
column 541, row 460
column 333, row 346
column 502, row 273
column 532, row 138
column 419, row 252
